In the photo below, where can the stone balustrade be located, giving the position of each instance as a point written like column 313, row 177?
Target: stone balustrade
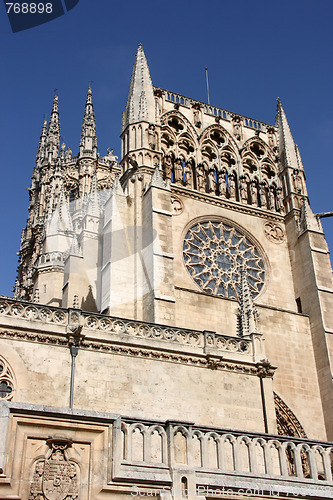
column 249, row 348
column 35, row 312
column 52, row 258
column 171, row 459
column 221, row 456
column 215, row 111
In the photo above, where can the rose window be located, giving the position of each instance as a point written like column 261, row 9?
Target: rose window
column 214, row 254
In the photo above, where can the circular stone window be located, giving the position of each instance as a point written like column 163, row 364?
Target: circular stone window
column 214, row 254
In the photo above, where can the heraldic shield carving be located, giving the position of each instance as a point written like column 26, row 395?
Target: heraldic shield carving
column 56, row 476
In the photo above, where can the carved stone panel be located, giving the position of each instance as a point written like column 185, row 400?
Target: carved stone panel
column 55, row 476
column 274, row 232
column 176, row 205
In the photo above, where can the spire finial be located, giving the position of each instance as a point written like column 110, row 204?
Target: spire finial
column 88, row 141
column 287, row 146
column 53, row 133
column 41, row 151
column 141, row 102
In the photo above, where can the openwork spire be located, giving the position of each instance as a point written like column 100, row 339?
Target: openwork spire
column 41, row 152
column 140, row 103
column 247, row 315
column 287, row 147
column 53, row 133
column 88, row 143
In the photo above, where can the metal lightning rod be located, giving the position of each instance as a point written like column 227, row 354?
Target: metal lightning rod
column 206, row 69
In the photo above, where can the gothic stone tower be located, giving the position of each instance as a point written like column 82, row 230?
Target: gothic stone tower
column 170, row 333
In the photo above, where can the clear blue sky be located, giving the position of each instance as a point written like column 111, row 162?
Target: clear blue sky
column 255, row 51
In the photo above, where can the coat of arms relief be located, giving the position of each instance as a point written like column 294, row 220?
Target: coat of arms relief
column 56, row 476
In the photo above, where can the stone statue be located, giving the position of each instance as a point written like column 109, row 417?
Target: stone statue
column 237, row 128
column 178, row 170
column 201, row 184
column 243, row 190
column 68, row 153
column 167, row 167
column 188, row 174
column 279, row 200
column 196, row 116
column 110, row 156
column 271, row 199
column 222, row 184
column 232, row 187
column 211, row 181
column 132, row 161
column 253, row 193
column 297, row 181
column 271, row 138
column 262, row 193
column 152, row 136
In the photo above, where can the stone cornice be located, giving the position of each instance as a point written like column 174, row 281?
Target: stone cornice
column 213, row 362
column 37, row 323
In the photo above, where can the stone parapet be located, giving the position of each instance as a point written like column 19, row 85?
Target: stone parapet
column 165, row 456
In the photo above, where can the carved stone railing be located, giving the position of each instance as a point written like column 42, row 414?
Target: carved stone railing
column 177, row 99
column 289, row 462
column 249, row 348
column 182, row 336
column 51, row 259
column 213, row 110
column 34, row 312
column 160, row 458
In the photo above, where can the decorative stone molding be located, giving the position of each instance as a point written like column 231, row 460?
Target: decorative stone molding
column 287, row 422
column 235, row 365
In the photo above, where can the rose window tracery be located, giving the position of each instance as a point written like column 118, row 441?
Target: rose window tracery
column 214, row 254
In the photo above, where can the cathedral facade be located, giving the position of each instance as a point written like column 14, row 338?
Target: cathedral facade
column 171, row 329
